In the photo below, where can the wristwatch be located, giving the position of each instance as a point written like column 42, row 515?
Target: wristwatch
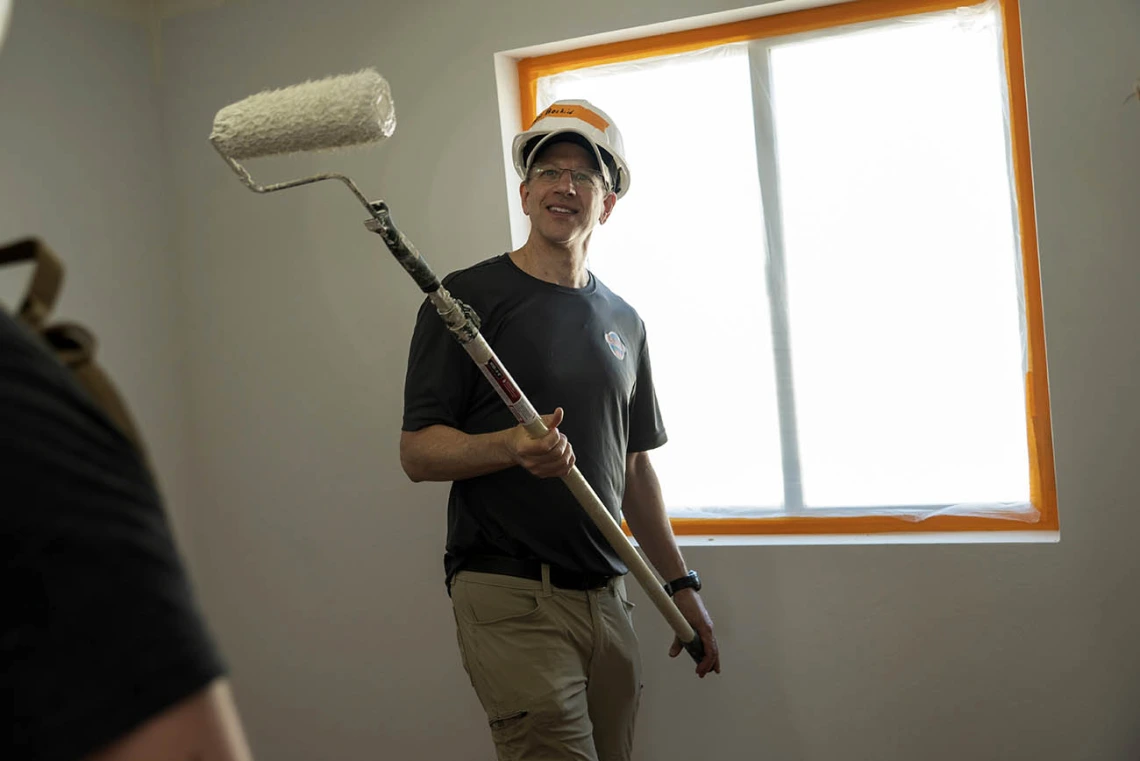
column 689, row 581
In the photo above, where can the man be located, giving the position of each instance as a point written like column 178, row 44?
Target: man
column 540, row 602
column 104, row 655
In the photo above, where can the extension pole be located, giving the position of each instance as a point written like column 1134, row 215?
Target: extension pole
column 462, row 325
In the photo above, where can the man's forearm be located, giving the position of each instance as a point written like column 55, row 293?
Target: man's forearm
column 442, row 453
column 644, row 511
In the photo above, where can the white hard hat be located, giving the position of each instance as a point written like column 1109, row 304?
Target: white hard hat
column 578, row 117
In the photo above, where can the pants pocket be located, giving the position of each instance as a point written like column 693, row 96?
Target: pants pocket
column 509, row 733
column 486, row 605
column 626, row 604
column 504, row 637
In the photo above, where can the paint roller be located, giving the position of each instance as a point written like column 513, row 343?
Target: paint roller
column 357, row 109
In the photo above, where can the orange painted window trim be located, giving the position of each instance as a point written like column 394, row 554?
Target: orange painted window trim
column 1043, row 493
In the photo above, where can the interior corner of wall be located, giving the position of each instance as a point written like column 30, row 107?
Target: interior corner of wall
column 507, row 89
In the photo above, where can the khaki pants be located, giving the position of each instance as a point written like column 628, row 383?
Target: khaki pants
column 558, row 671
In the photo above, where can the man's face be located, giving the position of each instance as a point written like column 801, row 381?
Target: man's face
column 560, row 210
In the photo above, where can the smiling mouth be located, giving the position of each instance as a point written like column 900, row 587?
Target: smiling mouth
column 562, row 211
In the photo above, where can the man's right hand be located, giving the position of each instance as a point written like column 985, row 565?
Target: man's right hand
column 443, row 453
column 548, row 457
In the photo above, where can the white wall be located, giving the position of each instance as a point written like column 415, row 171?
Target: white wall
column 321, row 565
column 82, row 167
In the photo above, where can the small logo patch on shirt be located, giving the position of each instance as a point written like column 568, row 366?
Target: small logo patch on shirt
column 613, row 340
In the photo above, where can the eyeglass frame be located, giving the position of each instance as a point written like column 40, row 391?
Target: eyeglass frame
column 602, row 184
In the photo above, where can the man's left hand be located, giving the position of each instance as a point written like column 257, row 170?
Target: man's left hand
column 691, row 607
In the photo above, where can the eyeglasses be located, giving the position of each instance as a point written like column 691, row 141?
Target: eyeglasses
column 582, row 179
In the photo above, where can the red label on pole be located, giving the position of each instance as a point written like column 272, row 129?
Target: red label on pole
column 503, row 381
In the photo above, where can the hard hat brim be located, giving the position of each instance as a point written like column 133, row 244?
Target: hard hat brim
column 618, row 184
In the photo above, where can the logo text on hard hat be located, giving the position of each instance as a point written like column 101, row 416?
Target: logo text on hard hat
column 575, row 112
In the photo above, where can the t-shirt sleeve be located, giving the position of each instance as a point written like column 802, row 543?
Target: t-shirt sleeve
column 646, row 428
column 440, row 375
column 100, row 630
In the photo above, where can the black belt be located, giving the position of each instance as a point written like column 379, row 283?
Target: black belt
column 532, row 569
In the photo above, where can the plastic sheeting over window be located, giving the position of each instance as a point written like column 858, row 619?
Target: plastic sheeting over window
column 822, row 237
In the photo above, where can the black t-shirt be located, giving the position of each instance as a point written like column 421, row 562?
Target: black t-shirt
column 99, row 630
column 582, row 349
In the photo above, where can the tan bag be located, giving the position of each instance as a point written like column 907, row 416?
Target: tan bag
column 71, row 343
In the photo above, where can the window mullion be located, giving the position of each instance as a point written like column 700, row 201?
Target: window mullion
column 766, row 166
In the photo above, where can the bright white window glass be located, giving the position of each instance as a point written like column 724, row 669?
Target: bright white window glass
column 902, row 264
column 685, row 247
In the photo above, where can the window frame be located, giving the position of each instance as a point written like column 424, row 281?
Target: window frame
column 1043, row 494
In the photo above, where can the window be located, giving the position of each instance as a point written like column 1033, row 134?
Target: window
column 830, row 237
